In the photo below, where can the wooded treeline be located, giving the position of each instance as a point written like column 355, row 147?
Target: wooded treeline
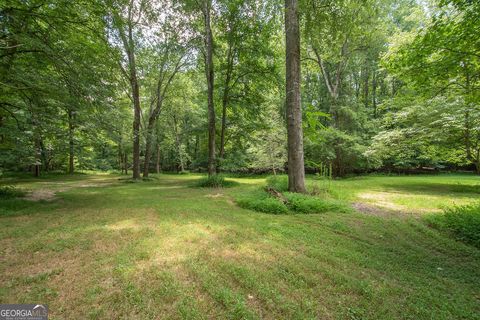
column 149, row 85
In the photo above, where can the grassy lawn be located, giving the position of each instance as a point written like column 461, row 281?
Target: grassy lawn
column 93, row 246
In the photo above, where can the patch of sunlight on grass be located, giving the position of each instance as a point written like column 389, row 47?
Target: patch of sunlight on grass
column 249, row 181
column 125, row 224
column 415, row 203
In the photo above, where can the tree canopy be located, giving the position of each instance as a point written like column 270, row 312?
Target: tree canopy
column 179, row 85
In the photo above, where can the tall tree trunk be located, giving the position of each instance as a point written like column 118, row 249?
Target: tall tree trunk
column 197, row 145
column 155, row 112
column 225, row 98
column 210, row 82
column 224, row 123
column 70, row 142
column 467, row 119
column 120, row 157
column 130, row 49
column 44, row 157
column 296, row 170
column 477, row 162
column 148, row 145
column 38, row 161
column 366, row 76
column 374, row 93
column 129, row 46
column 177, row 144
column 37, row 143
column 125, row 162
column 158, row 159
column 136, row 127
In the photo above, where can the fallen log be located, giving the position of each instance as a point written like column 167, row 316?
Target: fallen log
column 276, row 194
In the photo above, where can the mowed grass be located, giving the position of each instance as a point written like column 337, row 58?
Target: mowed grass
column 411, row 194
column 106, row 249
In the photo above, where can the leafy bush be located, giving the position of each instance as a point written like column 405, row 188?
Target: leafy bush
column 263, row 203
column 215, row 181
column 8, row 192
column 462, row 222
column 279, row 183
column 303, row 203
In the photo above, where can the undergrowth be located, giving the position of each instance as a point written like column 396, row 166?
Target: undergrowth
column 262, row 202
column 9, row 192
column 462, row 222
column 215, row 181
column 316, row 201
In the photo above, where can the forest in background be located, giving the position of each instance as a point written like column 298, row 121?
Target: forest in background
column 138, row 85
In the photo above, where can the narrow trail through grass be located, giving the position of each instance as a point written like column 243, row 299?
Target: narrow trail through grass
column 107, row 249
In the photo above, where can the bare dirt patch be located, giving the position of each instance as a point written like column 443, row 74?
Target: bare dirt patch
column 383, row 200
column 37, row 195
column 49, row 192
column 374, row 210
column 216, row 195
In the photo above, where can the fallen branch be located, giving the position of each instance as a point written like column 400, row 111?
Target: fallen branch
column 276, row 194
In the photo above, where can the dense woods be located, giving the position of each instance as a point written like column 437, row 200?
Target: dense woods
column 142, row 86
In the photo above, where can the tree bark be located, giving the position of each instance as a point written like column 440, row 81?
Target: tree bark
column 177, row 144
column 158, row 159
column 136, row 125
column 120, row 157
column 296, row 170
column 38, row 161
column 212, row 169
column 366, row 86
column 225, row 98
column 71, row 129
column 129, row 46
column 374, row 93
column 160, row 94
column 148, row 145
column 125, row 162
column 477, row 162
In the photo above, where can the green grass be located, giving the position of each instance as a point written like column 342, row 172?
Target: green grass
column 105, row 249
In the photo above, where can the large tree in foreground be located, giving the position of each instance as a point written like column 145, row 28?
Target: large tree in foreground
column 212, row 168
column 127, row 21
column 296, row 170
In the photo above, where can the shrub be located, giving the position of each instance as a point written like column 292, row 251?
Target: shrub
column 8, row 192
column 279, row 183
column 463, row 222
column 303, row 203
column 262, row 202
column 267, row 205
column 215, row 181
